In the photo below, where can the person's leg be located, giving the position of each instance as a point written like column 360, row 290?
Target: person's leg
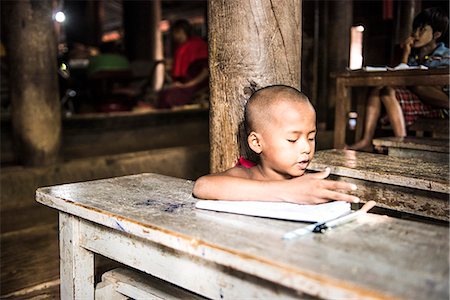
column 373, row 109
column 394, row 111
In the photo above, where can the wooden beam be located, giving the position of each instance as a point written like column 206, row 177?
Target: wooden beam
column 251, row 44
column 35, row 108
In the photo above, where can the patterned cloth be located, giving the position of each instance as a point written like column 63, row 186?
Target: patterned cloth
column 413, row 108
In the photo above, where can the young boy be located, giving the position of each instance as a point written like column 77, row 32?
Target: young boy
column 280, row 124
column 405, row 105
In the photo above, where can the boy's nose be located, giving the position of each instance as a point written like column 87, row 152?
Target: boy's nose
column 304, row 146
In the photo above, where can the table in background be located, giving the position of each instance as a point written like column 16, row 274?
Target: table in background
column 149, row 222
column 347, row 80
column 408, row 185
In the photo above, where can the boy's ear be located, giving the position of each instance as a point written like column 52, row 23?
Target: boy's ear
column 437, row 35
column 254, row 142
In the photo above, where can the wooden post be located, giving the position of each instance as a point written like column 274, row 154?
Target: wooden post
column 84, row 22
column 157, row 53
column 340, row 17
column 143, row 39
column 405, row 15
column 138, row 29
column 251, row 44
column 35, row 108
column 322, row 72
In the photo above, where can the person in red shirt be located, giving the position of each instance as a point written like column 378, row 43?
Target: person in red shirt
column 190, row 67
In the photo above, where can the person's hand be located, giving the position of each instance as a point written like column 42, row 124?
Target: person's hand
column 406, row 46
column 313, row 188
column 177, row 84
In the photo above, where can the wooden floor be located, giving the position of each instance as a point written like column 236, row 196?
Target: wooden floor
column 29, row 254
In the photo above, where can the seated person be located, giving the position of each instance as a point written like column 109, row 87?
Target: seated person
column 190, row 67
column 280, row 125
column 404, row 105
column 109, row 74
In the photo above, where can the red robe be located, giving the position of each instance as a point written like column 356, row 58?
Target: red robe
column 190, row 59
column 194, row 49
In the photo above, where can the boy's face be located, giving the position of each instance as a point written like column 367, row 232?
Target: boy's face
column 422, row 36
column 288, row 140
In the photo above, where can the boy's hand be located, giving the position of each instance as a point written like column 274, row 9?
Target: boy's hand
column 314, row 189
column 406, row 46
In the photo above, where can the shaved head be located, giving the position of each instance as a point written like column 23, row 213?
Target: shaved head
column 260, row 107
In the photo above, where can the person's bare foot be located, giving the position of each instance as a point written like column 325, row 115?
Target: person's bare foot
column 362, row 145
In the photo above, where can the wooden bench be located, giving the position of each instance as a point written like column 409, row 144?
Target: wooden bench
column 436, row 128
column 413, row 186
column 124, row 283
column 429, row 149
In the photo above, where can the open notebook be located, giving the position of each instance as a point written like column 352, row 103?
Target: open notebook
column 279, row 210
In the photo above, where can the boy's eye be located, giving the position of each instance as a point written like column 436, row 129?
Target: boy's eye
column 292, row 140
column 312, row 138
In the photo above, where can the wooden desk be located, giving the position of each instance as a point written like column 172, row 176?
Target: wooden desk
column 149, row 222
column 406, row 185
column 347, row 80
column 430, row 149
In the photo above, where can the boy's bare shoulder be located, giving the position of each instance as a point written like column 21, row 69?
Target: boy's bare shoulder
column 239, row 172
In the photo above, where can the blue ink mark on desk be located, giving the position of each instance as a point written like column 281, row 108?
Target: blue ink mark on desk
column 120, row 226
column 147, row 202
column 173, row 207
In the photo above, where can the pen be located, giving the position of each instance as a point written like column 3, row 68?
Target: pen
column 321, row 227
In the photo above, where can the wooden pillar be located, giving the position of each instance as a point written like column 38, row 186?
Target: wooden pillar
column 35, row 107
column 142, row 35
column 251, row 44
column 157, row 44
column 407, row 10
column 84, row 22
column 340, row 18
column 323, row 75
column 138, row 23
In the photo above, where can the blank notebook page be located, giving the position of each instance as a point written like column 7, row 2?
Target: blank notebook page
column 279, row 210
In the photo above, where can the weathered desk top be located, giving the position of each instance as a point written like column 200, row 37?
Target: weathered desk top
column 416, row 143
column 415, row 173
column 372, row 257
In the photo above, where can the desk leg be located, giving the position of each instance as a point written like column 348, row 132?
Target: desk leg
column 343, row 106
column 76, row 263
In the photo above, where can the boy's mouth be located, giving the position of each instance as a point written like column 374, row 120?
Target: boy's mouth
column 302, row 164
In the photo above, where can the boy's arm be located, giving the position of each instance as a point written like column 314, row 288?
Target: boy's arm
column 307, row 189
column 406, row 46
